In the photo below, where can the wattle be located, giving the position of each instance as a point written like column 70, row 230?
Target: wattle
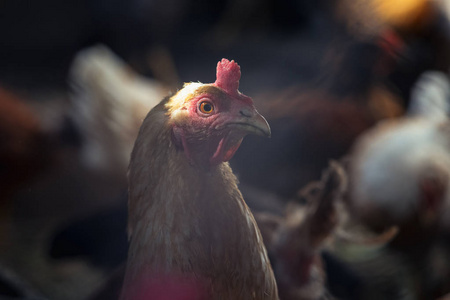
column 226, row 149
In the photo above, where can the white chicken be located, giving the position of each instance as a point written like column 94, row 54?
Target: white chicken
column 110, row 101
column 400, row 179
column 401, row 168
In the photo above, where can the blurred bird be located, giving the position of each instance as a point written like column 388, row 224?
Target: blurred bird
column 76, row 200
column 302, row 234
column 295, row 239
column 109, row 103
column 192, row 235
column 23, row 143
column 431, row 97
column 400, row 169
column 400, row 177
column 25, row 150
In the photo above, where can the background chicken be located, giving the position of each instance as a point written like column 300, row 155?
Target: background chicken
column 399, row 175
column 25, row 151
column 296, row 243
column 109, row 103
column 191, row 231
column 63, row 221
column 423, row 166
column 24, row 144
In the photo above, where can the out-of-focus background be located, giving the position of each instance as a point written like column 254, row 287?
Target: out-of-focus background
column 77, row 77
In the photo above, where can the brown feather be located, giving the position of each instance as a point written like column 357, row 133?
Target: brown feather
column 189, row 225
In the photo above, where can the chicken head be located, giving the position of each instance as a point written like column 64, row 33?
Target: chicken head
column 209, row 121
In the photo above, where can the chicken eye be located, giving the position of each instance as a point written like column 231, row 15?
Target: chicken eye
column 206, row 107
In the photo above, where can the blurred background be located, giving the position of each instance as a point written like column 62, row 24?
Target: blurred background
column 77, row 77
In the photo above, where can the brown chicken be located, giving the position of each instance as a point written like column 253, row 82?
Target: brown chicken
column 24, row 152
column 192, row 234
column 23, row 145
column 294, row 242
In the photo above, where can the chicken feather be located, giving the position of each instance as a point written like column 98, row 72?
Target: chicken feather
column 192, row 234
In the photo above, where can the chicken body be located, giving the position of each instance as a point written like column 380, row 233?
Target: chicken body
column 192, row 235
column 400, row 169
column 399, row 180
column 302, row 234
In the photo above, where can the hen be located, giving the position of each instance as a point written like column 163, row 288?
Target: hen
column 400, row 168
column 192, row 234
column 109, row 101
column 399, row 180
column 303, row 234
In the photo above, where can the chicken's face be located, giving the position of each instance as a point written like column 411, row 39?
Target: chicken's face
column 209, row 121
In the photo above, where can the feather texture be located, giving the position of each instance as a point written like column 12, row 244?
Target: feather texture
column 190, row 229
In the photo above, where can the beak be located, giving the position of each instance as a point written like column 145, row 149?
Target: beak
column 252, row 122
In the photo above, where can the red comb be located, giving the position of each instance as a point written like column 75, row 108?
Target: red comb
column 228, row 75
